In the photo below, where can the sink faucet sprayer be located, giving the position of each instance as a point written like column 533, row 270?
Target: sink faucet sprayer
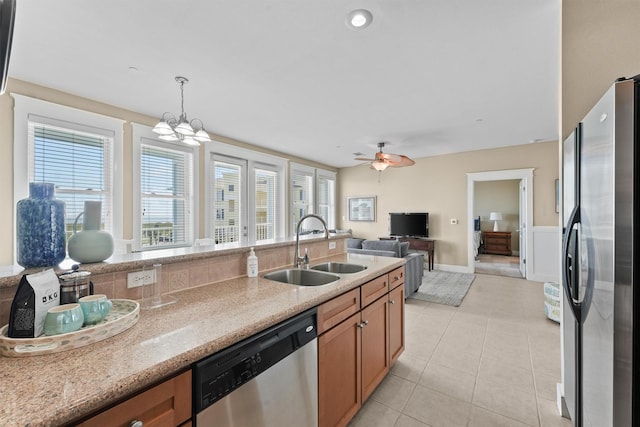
column 304, row 260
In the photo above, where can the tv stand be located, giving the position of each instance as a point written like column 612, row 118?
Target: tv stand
column 418, row 244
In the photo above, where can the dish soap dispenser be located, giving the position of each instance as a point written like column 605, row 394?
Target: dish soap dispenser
column 252, row 264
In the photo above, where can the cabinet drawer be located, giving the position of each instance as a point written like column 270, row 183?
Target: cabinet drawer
column 167, row 404
column 396, row 278
column 374, row 289
column 335, row 311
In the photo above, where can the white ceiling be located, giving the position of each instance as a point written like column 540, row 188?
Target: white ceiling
column 431, row 77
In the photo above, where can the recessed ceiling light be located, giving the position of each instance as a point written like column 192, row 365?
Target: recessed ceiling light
column 359, row 19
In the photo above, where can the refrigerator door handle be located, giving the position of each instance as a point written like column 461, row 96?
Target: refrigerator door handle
column 570, row 269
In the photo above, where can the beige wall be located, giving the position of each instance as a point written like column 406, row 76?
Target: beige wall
column 438, row 185
column 599, row 44
column 499, row 196
column 7, row 208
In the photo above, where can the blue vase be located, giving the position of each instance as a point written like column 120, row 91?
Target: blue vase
column 40, row 227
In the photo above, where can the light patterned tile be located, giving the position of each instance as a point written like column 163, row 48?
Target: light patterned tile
column 452, row 382
column 506, row 400
column 482, row 418
column 374, row 414
column 393, row 392
column 437, row 409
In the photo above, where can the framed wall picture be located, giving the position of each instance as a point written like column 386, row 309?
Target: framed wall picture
column 362, row 208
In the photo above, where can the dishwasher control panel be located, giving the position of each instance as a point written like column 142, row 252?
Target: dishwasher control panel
column 220, row 374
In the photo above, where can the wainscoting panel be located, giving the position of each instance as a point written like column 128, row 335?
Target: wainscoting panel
column 546, row 254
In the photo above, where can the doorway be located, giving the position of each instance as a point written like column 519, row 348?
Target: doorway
column 518, row 267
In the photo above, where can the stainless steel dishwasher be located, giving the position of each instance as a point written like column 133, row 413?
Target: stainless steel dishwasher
column 269, row 379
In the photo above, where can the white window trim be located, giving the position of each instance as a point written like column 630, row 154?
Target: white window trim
column 322, row 173
column 254, row 159
column 138, row 133
column 23, row 107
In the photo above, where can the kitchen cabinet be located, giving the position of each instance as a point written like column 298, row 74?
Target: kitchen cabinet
column 497, row 242
column 396, row 323
column 354, row 353
column 167, row 404
column 375, row 348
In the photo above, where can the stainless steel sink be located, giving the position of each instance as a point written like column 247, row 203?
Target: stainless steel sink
column 339, row 267
column 296, row 276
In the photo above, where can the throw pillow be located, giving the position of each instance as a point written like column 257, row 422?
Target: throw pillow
column 404, row 249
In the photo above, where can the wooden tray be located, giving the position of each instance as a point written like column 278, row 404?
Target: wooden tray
column 124, row 314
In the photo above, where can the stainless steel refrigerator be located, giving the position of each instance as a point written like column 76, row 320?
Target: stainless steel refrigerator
column 600, row 203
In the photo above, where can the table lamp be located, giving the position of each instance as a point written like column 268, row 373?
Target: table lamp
column 495, row 217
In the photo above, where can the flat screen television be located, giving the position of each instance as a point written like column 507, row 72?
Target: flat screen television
column 409, row 224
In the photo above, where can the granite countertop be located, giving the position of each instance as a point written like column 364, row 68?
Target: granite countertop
column 59, row 388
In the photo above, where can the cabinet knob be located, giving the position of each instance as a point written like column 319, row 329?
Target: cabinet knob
column 363, row 324
column 392, row 301
column 136, row 423
column 396, row 278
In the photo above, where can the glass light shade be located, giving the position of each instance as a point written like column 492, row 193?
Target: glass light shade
column 202, row 136
column 379, row 166
column 495, row 216
column 185, row 129
column 189, row 140
column 171, row 137
column 162, row 128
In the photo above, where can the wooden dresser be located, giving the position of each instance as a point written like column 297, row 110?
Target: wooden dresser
column 496, row 242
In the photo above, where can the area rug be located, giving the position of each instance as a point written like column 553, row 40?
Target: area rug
column 443, row 287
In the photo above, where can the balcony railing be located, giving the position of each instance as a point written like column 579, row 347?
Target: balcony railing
column 158, row 236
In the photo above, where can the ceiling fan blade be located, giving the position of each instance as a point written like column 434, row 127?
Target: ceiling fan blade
column 404, row 161
column 390, row 157
column 364, row 160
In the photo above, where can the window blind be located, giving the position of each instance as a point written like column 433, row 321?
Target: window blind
column 79, row 163
column 166, row 197
column 301, row 195
column 326, row 199
column 265, row 200
column 227, row 206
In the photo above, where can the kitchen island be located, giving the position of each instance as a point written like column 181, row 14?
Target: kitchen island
column 65, row 387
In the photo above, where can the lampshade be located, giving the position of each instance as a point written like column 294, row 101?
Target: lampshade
column 495, row 217
column 163, row 128
column 185, row 129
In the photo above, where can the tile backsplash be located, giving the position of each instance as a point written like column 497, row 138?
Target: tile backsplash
column 180, row 273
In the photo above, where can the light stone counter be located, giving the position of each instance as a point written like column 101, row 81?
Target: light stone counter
column 55, row 389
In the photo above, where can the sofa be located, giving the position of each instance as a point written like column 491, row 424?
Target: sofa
column 414, row 268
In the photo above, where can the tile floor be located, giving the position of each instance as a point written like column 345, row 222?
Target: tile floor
column 493, row 361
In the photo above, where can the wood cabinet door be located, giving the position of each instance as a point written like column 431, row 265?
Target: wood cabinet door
column 165, row 405
column 375, row 346
column 339, row 373
column 396, row 323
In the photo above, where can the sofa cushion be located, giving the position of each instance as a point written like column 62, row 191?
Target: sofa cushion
column 354, row 243
column 404, row 249
column 383, row 245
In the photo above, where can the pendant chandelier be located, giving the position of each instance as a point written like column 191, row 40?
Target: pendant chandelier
column 188, row 132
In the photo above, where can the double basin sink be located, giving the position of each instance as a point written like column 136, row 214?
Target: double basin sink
column 321, row 274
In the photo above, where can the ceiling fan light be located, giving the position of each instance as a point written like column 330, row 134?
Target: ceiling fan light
column 379, row 166
column 162, row 128
column 185, row 129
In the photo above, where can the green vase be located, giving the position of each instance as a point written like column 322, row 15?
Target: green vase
column 91, row 244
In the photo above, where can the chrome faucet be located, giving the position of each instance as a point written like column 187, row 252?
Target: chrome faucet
column 298, row 260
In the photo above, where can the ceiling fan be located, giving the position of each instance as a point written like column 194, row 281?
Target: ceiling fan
column 385, row 160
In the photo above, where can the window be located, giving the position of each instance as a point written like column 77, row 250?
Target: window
column 326, row 182
column 253, row 204
column 265, row 197
column 73, row 149
column 226, row 229
column 164, row 186
column 312, row 191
